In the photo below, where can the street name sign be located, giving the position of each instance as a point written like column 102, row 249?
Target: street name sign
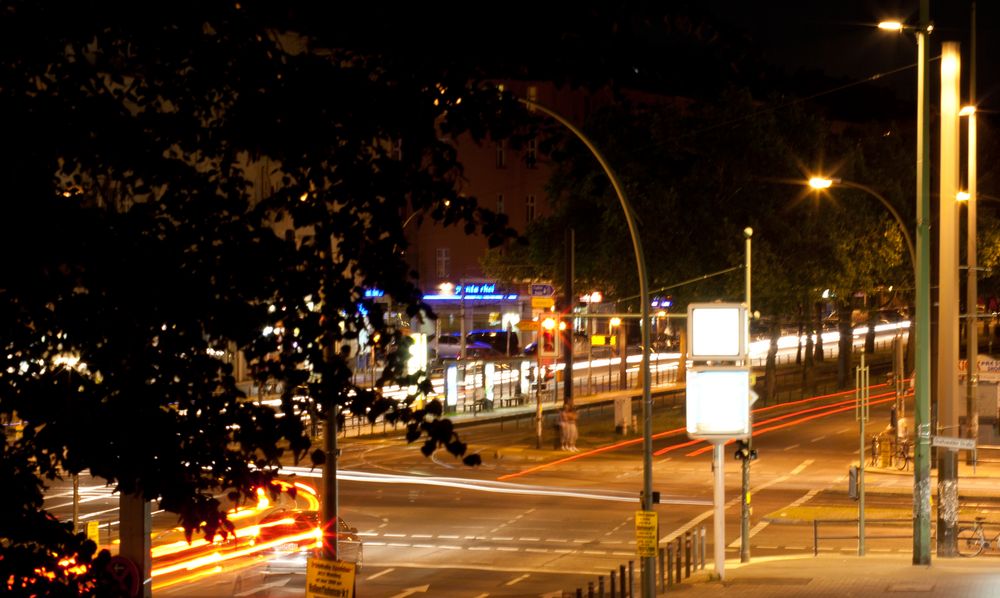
column 542, row 290
column 951, row 442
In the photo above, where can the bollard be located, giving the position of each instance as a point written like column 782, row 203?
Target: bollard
column 670, row 563
column 613, row 572
column 590, row 589
column 621, row 580
column 695, row 541
column 815, row 537
column 678, row 550
column 702, row 545
column 600, row 586
column 579, row 593
column 687, row 554
column 663, row 577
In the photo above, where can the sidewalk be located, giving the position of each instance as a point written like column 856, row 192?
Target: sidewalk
column 841, row 575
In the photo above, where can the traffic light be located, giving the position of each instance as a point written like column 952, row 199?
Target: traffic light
column 547, row 344
column 743, row 451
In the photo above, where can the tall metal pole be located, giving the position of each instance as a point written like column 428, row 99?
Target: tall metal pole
column 568, row 309
column 330, row 495
column 861, row 394
column 922, row 365
column 719, row 518
column 972, row 293
column 948, row 288
column 646, row 498
column 745, row 508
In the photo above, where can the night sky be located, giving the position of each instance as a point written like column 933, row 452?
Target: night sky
column 839, row 38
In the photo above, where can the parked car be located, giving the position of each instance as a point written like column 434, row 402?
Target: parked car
column 504, row 342
column 302, row 531
column 449, row 347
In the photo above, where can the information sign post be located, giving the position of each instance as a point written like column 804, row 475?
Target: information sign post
column 718, row 394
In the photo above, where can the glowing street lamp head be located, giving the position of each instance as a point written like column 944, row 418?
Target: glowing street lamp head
column 967, row 111
column 548, row 323
column 817, row 182
column 891, row 26
column 615, row 322
column 962, row 196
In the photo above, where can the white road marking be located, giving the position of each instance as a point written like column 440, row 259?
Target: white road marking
column 817, row 439
column 788, row 448
column 380, row 574
column 517, row 579
column 508, row 548
column 530, row 539
column 449, row 537
column 757, row 528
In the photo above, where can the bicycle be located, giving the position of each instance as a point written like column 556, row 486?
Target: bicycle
column 972, row 540
column 876, row 448
column 902, row 456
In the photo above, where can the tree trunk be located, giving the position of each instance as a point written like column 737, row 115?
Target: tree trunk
column 819, row 332
column 870, row 335
column 798, row 341
column 807, row 366
column 846, row 344
column 771, row 369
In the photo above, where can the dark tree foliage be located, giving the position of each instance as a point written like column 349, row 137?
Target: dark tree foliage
column 180, row 178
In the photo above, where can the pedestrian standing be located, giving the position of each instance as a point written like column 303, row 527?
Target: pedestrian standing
column 568, row 418
column 563, row 424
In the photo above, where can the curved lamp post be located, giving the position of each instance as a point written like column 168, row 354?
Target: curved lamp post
column 646, row 498
column 821, row 183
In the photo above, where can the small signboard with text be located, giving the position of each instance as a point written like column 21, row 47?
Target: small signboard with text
column 645, row 533
column 718, row 402
column 326, row 578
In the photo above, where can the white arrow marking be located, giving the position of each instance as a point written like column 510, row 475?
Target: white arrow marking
column 413, row 590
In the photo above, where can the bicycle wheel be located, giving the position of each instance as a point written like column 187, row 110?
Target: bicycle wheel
column 970, row 542
column 902, row 461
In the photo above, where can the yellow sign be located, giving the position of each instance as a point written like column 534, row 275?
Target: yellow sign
column 93, row 532
column 598, row 340
column 542, row 302
column 527, row 325
column 329, row 579
column 645, row 533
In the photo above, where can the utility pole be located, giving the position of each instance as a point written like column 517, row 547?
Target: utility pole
column 922, row 364
column 971, row 301
column 948, row 285
column 745, row 510
column 568, row 310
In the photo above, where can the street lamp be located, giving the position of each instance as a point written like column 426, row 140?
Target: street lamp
column 822, row 183
column 972, row 293
column 922, row 300
column 646, row 498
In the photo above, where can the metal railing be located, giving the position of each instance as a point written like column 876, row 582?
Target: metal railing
column 679, row 554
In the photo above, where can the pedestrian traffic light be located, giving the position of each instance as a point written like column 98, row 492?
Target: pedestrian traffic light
column 743, row 451
column 852, row 482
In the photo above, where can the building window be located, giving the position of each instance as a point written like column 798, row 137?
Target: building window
column 443, row 262
column 531, row 158
column 501, row 155
column 500, row 206
column 397, row 149
column 529, row 208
